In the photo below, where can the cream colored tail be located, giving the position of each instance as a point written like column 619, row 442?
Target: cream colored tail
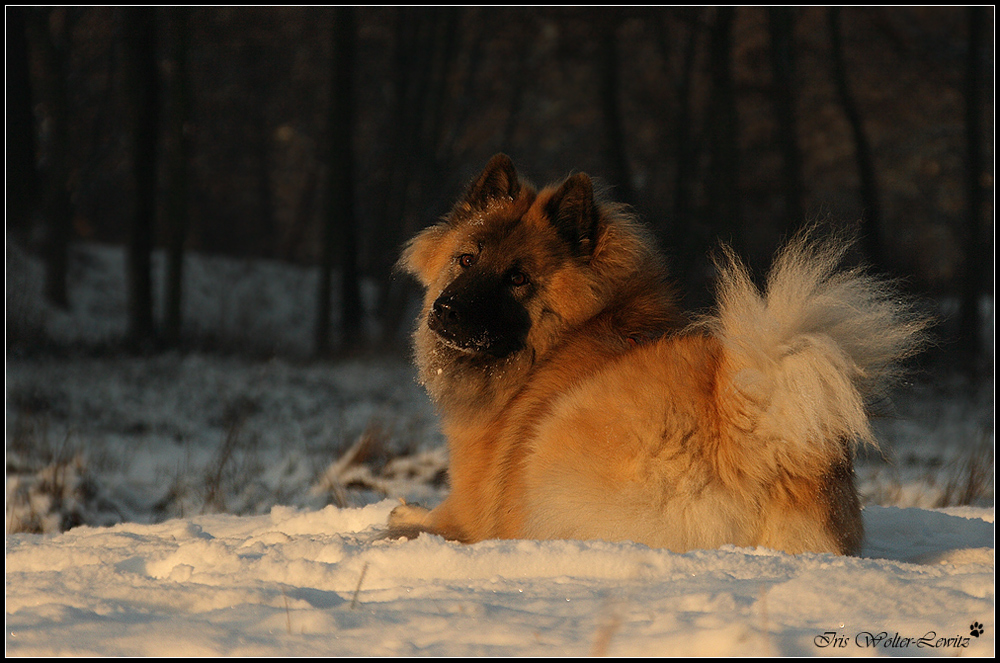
column 804, row 359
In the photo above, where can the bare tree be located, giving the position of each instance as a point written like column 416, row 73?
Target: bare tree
column 871, row 222
column 143, row 88
column 22, row 184
column 678, row 231
column 340, row 224
column 178, row 147
column 49, row 29
column 781, row 26
column 526, row 60
column 426, row 42
column 609, row 76
column 976, row 263
column 259, row 141
column 722, row 128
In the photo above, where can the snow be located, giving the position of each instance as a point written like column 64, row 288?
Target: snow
column 300, row 583
column 224, row 505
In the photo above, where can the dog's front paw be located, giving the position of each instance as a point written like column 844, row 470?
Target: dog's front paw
column 407, row 521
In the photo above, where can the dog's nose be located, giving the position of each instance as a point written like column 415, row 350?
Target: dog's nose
column 445, row 313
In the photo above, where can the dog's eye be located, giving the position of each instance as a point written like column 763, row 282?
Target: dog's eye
column 467, row 260
column 518, row 279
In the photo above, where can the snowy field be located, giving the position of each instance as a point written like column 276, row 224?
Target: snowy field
column 321, row 583
column 203, row 503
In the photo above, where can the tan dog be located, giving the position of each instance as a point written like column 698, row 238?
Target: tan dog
column 578, row 404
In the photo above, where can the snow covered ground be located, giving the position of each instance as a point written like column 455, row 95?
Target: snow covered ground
column 198, row 503
column 322, row 583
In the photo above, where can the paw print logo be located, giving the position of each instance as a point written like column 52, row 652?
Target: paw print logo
column 976, row 629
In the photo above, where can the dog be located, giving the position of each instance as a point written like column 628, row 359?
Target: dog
column 580, row 402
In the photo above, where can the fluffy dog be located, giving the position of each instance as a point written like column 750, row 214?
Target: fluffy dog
column 578, row 402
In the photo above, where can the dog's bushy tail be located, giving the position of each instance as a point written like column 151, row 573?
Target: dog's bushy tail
column 803, row 361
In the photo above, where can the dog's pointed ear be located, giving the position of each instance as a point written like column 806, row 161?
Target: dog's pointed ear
column 572, row 212
column 422, row 256
column 498, row 181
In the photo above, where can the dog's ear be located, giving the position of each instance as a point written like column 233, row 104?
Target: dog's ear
column 498, row 181
column 423, row 256
column 573, row 214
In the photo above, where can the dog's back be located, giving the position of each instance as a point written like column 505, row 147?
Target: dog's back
column 740, row 430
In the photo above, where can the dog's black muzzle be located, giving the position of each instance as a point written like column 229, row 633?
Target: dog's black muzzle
column 480, row 315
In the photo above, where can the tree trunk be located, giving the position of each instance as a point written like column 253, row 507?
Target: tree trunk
column 22, row 178
column 50, row 31
column 723, row 191
column 433, row 160
column 781, row 24
column 871, row 222
column 426, row 43
column 340, row 225
column 976, row 261
column 610, row 91
column 677, row 231
column 178, row 156
column 142, row 79
column 259, row 144
column 525, row 62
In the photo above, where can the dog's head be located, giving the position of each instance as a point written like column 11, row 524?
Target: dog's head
column 508, row 267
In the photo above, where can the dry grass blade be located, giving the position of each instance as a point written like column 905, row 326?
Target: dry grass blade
column 612, row 622
column 971, row 480
column 357, row 590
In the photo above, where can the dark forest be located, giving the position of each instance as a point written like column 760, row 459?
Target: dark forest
column 326, row 137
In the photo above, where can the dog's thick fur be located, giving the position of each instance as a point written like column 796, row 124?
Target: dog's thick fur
column 579, row 403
